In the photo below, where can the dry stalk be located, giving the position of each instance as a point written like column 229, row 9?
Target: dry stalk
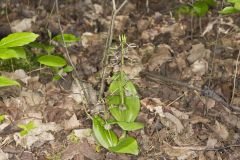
column 108, row 44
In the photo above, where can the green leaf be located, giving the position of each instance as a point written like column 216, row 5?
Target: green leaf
column 200, row 8
column 234, row 1
column 17, row 52
column 52, row 61
column 184, row 10
column 48, row 48
column 23, row 133
column 126, row 111
column 228, row 10
column 56, row 77
column 126, row 145
column 130, row 126
column 68, row 69
column 20, row 52
column 68, row 38
column 26, row 128
column 106, row 138
column 211, row 3
column 18, row 39
column 2, row 118
column 4, row 81
column 237, row 6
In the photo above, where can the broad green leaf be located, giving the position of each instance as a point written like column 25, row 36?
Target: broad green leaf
column 68, row 38
column 4, row 81
column 124, row 109
column 52, row 61
column 2, row 118
column 8, row 53
column 68, row 69
column 234, row 1
column 106, row 138
column 228, row 10
column 20, row 52
column 130, row 126
column 18, row 39
column 237, row 6
column 126, row 145
column 200, row 8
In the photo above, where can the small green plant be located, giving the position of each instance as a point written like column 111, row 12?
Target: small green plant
column 57, row 63
column 199, row 8
column 124, row 106
column 12, row 47
column 73, row 138
column 231, row 9
column 26, row 128
column 2, row 118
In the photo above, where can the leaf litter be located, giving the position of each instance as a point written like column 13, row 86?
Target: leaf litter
column 177, row 126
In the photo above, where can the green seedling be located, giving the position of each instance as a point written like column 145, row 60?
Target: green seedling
column 12, row 47
column 2, row 118
column 26, row 128
column 235, row 8
column 57, row 63
column 124, row 106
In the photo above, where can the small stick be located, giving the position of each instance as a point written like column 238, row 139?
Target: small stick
column 235, row 77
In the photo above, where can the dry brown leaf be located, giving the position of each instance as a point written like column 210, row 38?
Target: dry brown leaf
column 179, row 114
column 197, row 52
column 3, row 156
column 200, row 67
column 175, row 120
column 221, row 130
column 180, row 153
column 82, row 148
column 211, row 143
column 72, row 123
column 162, row 54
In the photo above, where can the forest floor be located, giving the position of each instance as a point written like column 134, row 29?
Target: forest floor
column 185, row 72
